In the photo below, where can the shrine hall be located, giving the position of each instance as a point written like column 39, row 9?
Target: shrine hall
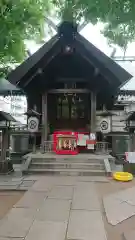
column 66, row 82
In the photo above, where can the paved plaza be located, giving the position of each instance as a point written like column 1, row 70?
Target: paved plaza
column 67, row 208
column 55, row 208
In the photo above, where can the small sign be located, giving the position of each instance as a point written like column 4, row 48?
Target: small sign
column 130, row 157
column 92, row 136
column 90, row 146
column 82, row 138
column 33, row 123
column 105, row 125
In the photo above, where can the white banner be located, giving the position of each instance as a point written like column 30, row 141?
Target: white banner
column 105, row 125
column 82, row 138
column 33, row 123
column 130, row 157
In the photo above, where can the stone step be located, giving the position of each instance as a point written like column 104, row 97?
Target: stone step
column 67, row 172
column 67, row 159
column 67, row 165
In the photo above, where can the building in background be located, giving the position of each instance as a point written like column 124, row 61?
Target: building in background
column 16, row 106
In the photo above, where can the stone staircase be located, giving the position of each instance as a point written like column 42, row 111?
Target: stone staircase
column 70, row 166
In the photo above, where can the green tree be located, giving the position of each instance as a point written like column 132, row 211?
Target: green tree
column 25, row 19
column 20, row 20
column 118, row 16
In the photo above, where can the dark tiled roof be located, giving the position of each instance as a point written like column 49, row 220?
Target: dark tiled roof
column 106, row 114
column 32, row 112
column 4, row 116
column 7, row 88
column 115, row 75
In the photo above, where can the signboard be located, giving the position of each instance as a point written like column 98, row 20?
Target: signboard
column 130, row 157
column 92, row 136
column 33, row 123
column 105, row 125
column 90, row 146
column 82, row 138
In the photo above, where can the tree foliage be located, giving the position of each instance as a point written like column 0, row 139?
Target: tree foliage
column 118, row 16
column 20, row 20
column 25, row 19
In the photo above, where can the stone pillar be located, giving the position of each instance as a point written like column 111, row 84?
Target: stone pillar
column 44, row 120
column 93, row 112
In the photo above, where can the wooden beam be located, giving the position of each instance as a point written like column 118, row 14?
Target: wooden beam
column 93, row 111
column 92, row 62
column 71, row 80
column 44, row 121
column 96, row 72
column 69, row 91
column 39, row 71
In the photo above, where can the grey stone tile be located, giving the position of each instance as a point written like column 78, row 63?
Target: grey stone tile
column 27, row 183
column 117, row 210
column 85, row 197
column 93, row 179
column 127, row 195
column 8, row 187
column 61, row 192
column 42, row 185
column 10, row 179
column 86, row 225
column 14, row 183
column 32, row 177
column 17, row 223
column 21, row 188
column 65, row 181
column 3, row 238
column 31, row 199
column 47, row 231
column 21, row 213
column 8, row 193
column 54, row 210
column 129, row 235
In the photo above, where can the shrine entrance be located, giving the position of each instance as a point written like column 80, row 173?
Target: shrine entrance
column 72, row 112
column 67, row 80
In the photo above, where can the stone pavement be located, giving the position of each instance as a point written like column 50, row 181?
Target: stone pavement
column 26, row 182
column 15, row 183
column 56, row 208
column 120, row 206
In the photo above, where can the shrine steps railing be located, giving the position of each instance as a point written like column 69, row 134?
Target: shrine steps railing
column 100, row 148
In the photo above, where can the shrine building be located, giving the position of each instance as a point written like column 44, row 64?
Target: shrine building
column 69, row 84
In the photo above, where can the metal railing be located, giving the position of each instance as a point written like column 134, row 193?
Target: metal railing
column 102, row 148
column 48, row 147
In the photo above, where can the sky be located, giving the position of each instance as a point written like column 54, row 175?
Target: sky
column 93, row 34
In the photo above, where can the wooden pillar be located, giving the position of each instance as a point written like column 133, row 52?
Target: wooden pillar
column 93, row 112
column 44, row 120
column 4, row 149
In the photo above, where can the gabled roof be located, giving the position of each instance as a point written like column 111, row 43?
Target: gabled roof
column 115, row 75
column 31, row 62
column 4, row 116
column 106, row 114
column 6, row 88
column 106, row 65
column 32, row 113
